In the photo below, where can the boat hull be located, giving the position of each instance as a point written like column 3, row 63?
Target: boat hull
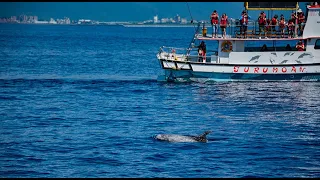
column 178, row 71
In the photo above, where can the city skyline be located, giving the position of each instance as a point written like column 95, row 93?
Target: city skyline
column 24, row 19
column 126, row 11
column 115, row 11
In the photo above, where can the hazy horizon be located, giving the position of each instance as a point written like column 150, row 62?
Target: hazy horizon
column 124, row 11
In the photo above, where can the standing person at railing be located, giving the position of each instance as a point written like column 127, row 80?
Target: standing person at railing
column 214, row 23
column 291, row 27
column 268, row 27
column 223, row 24
column 244, row 23
column 262, row 21
column 282, row 25
column 274, row 23
column 301, row 21
column 294, row 19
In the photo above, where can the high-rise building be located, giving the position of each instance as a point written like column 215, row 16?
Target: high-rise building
column 23, row 18
column 66, row 20
column 155, row 19
column 177, row 18
column 30, row 19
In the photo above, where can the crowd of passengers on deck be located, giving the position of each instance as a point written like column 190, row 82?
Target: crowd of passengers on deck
column 265, row 25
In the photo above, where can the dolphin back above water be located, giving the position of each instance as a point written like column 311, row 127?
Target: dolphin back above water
column 181, row 138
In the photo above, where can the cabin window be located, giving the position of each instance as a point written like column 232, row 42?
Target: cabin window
column 317, row 45
column 283, row 45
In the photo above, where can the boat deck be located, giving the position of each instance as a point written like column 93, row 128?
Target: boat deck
column 256, row 38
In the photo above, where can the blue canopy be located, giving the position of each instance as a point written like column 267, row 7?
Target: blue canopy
column 271, row 5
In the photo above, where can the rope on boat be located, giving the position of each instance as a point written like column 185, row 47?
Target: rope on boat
column 191, row 16
column 196, row 29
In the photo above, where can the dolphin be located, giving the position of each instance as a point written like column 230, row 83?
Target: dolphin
column 305, row 54
column 274, row 54
column 284, row 61
column 181, row 138
column 254, row 58
column 287, row 53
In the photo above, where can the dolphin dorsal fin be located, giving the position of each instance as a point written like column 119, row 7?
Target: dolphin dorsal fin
column 205, row 134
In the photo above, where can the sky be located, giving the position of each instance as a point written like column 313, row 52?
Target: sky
column 123, row 11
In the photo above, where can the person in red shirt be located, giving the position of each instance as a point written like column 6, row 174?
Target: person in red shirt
column 223, row 24
column 300, row 46
column 282, row 25
column 262, row 21
column 291, row 28
column 268, row 27
column 301, row 21
column 214, row 23
column 244, row 19
column 274, row 23
column 202, row 51
column 294, row 19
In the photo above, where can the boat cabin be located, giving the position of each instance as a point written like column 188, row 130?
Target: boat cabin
column 234, row 48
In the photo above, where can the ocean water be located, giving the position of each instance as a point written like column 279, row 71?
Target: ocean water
column 84, row 101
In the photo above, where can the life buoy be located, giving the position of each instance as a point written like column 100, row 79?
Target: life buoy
column 226, row 46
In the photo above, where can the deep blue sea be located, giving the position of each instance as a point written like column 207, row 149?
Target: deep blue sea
column 84, row 101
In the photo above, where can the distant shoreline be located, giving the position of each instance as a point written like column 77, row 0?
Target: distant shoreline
column 159, row 25
column 123, row 25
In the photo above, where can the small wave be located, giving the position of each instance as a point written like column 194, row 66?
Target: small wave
column 250, row 176
column 81, row 79
column 10, row 98
column 101, row 160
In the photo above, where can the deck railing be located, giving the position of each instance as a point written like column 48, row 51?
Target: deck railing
column 253, row 30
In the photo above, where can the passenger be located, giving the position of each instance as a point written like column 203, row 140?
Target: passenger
column 264, row 48
column 294, row 19
column 214, row 23
column 301, row 22
column 274, row 23
column 288, row 47
column 223, row 24
column 262, row 21
column 282, row 25
column 244, row 23
column 300, row 46
column 202, row 51
column 291, row 28
column 268, row 26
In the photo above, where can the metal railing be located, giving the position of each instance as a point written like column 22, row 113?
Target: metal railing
column 233, row 30
column 173, row 53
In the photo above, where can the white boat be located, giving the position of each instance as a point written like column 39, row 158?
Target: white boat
column 238, row 59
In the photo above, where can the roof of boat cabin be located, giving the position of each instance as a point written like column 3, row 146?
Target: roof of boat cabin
column 271, row 5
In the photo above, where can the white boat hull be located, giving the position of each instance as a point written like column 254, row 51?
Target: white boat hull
column 194, row 71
